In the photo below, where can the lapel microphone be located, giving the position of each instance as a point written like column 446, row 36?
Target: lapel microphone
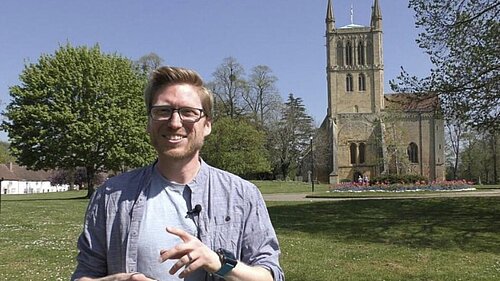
column 195, row 211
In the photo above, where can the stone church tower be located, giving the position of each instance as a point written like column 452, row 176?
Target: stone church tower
column 366, row 132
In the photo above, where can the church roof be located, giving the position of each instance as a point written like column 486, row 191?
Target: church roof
column 412, row 102
column 352, row 25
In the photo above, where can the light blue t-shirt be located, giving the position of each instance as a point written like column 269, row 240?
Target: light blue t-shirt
column 167, row 205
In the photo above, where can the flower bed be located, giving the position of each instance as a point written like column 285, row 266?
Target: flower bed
column 457, row 185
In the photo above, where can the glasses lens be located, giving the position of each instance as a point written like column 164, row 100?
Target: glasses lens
column 161, row 113
column 189, row 114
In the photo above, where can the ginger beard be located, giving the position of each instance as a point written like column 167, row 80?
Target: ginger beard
column 177, row 145
column 173, row 139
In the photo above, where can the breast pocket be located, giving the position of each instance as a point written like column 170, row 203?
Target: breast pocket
column 227, row 232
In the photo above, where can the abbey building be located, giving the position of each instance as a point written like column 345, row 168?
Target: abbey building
column 366, row 132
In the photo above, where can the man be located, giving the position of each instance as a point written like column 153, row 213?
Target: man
column 178, row 219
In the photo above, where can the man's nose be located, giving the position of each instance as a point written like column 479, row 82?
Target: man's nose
column 175, row 119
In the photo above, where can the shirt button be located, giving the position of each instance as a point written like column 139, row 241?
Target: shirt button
column 228, row 218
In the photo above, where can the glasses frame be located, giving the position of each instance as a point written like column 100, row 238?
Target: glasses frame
column 178, row 110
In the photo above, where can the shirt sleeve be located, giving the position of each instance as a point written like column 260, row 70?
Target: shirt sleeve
column 91, row 258
column 260, row 246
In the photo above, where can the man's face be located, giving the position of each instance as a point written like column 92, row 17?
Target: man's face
column 173, row 139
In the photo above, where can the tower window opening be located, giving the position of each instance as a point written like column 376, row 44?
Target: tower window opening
column 348, row 54
column 348, row 83
column 361, row 153
column 362, row 82
column 361, row 53
column 413, row 152
column 352, row 150
column 340, row 58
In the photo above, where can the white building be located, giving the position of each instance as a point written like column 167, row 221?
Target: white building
column 16, row 179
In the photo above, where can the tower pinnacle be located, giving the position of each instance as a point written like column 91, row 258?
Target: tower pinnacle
column 330, row 19
column 376, row 20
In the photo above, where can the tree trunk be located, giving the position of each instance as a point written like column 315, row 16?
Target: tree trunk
column 494, row 148
column 90, row 181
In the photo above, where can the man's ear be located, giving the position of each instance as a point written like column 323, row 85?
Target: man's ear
column 207, row 129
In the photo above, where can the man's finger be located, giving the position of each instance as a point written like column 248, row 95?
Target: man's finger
column 173, row 253
column 180, row 233
column 137, row 276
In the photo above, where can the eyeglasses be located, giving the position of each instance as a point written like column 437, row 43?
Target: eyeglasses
column 187, row 114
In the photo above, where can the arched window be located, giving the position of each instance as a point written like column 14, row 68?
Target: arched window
column 413, row 152
column 348, row 54
column 361, row 53
column 362, row 82
column 340, row 54
column 361, row 153
column 348, row 83
column 352, row 149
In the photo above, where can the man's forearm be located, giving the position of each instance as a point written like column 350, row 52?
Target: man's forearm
column 243, row 272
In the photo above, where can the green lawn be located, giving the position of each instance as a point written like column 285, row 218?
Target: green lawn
column 424, row 239
column 267, row 187
column 487, row 186
column 399, row 239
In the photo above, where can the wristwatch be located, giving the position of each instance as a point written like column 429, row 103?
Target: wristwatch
column 228, row 261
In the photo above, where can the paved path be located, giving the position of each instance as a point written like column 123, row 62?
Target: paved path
column 302, row 196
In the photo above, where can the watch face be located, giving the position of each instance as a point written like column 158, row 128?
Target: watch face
column 226, row 256
column 228, row 261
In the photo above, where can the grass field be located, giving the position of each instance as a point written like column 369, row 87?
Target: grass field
column 267, row 187
column 399, row 239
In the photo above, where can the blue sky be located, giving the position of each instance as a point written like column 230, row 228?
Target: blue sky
column 286, row 35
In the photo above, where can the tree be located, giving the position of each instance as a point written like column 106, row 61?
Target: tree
column 148, row 63
column 263, row 97
column 461, row 38
column 236, row 146
column 394, row 131
column 470, row 167
column 5, row 155
column 229, row 87
column 478, row 152
column 454, row 133
column 290, row 138
column 72, row 177
column 79, row 108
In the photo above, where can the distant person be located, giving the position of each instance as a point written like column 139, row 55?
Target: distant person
column 179, row 218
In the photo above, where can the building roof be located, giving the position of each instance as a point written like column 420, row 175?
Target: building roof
column 412, row 102
column 13, row 171
column 352, row 25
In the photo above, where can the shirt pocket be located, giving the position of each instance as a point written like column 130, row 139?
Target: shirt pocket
column 227, row 232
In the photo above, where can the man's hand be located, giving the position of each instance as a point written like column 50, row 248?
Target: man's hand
column 191, row 254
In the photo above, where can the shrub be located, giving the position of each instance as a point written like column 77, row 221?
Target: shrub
column 393, row 179
column 401, row 187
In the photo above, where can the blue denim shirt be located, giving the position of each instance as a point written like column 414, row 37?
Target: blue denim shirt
column 233, row 217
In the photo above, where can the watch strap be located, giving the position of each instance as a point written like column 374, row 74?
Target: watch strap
column 225, row 269
column 228, row 262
